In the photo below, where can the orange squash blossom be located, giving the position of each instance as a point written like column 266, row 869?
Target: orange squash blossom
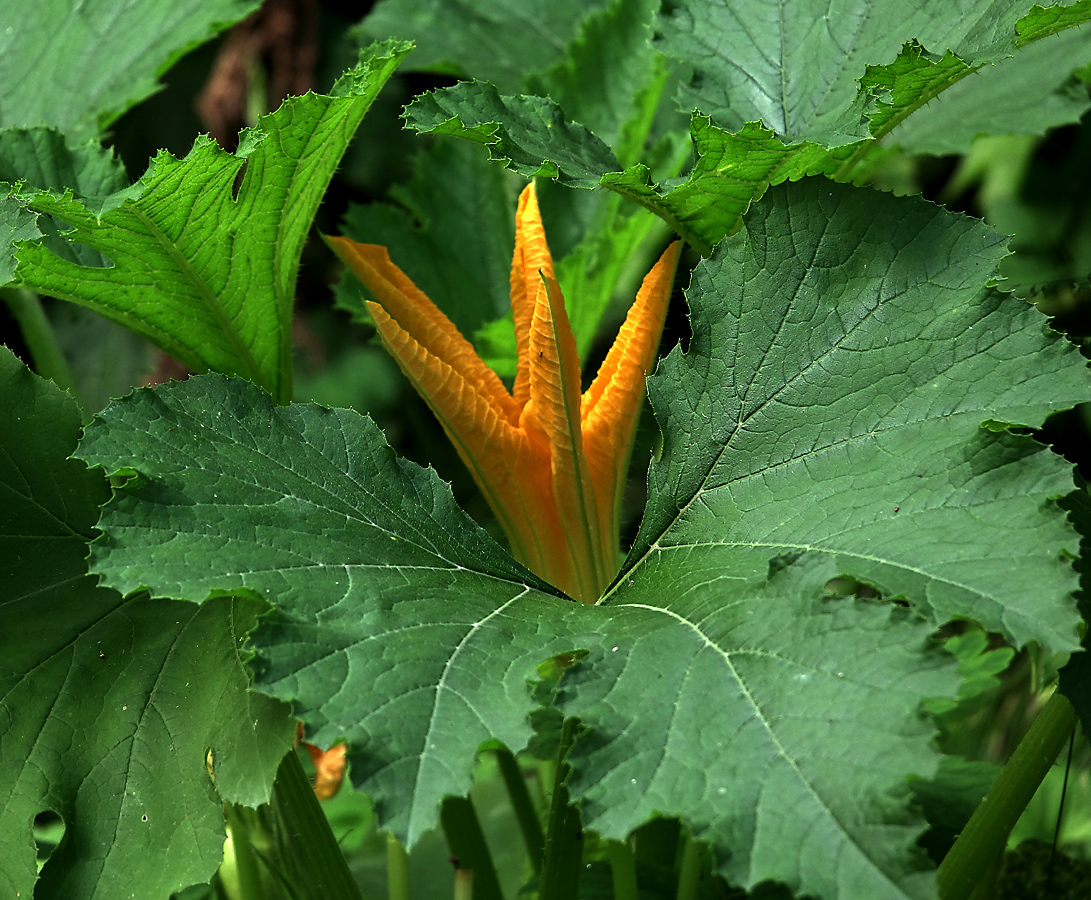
column 550, row 462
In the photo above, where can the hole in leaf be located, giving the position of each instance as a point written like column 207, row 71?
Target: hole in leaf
column 236, row 185
column 48, row 834
column 847, row 586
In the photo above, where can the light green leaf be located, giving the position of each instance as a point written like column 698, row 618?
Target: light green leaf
column 78, row 67
column 496, row 40
column 842, row 392
column 798, row 74
column 109, row 704
column 204, row 272
column 1028, row 93
column 1043, row 21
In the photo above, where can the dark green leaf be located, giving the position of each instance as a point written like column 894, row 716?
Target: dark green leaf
column 497, row 40
column 401, row 628
column 377, row 577
column 845, row 355
column 798, row 74
column 109, row 704
column 746, row 707
column 529, row 134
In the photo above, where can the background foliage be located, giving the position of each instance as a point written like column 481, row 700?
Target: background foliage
column 859, row 434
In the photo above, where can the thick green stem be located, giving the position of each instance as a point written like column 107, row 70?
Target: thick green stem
column 563, row 859
column 523, row 805
column 46, row 353
column 466, row 841
column 977, row 852
column 397, row 869
column 310, row 833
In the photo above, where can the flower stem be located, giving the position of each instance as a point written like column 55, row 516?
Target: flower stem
column 521, row 802
column 563, row 858
column 468, row 849
column 309, row 830
column 623, row 869
column 977, row 851
column 689, row 878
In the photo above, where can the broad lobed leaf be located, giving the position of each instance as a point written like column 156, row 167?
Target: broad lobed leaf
column 396, row 613
column 747, row 706
column 415, row 638
column 842, row 391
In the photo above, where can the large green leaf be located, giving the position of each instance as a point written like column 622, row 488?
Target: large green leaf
column 203, row 271
column 108, row 705
column 847, row 389
column 403, row 629
column 498, row 40
column 79, row 66
column 377, row 576
column 798, row 74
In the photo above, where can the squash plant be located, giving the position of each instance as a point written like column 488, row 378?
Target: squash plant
column 849, row 459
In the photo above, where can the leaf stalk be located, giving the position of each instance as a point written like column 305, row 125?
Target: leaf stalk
column 978, row 849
